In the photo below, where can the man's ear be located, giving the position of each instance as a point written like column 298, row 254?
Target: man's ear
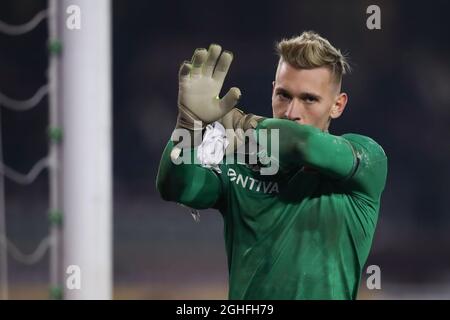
column 273, row 86
column 338, row 108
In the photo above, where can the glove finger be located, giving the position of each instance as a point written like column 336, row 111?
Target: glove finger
column 223, row 66
column 211, row 60
column 198, row 59
column 230, row 100
column 185, row 70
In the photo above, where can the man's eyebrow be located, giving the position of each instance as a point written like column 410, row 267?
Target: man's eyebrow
column 309, row 95
column 282, row 90
column 302, row 95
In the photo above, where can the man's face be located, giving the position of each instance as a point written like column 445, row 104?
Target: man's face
column 307, row 96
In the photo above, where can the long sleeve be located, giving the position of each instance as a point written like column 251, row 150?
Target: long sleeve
column 355, row 159
column 188, row 184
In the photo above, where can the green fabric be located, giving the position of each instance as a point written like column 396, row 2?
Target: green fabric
column 187, row 184
column 304, row 233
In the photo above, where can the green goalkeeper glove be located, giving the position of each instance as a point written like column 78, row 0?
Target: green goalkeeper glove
column 200, row 83
column 236, row 124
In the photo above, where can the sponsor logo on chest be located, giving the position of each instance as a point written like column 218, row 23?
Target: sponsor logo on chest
column 252, row 184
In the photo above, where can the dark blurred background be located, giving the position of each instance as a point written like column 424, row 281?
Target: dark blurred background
column 399, row 95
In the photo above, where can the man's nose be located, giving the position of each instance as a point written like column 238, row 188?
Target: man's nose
column 292, row 112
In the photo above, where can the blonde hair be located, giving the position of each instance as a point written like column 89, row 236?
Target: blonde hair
column 309, row 51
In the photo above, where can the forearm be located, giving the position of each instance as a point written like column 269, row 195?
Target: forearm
column 189, row 184
column 306, row 145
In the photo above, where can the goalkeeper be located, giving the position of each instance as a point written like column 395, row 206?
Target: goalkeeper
column 306, row 231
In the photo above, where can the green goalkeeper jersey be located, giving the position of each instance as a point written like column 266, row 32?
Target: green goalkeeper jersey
column 304, row 233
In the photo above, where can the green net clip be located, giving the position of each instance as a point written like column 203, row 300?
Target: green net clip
column 55, row 134
column 55, row 47
column 55, row 217
column 56, row 293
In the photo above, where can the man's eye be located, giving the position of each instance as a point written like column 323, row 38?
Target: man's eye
column 309, row 99
column 283, row 96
